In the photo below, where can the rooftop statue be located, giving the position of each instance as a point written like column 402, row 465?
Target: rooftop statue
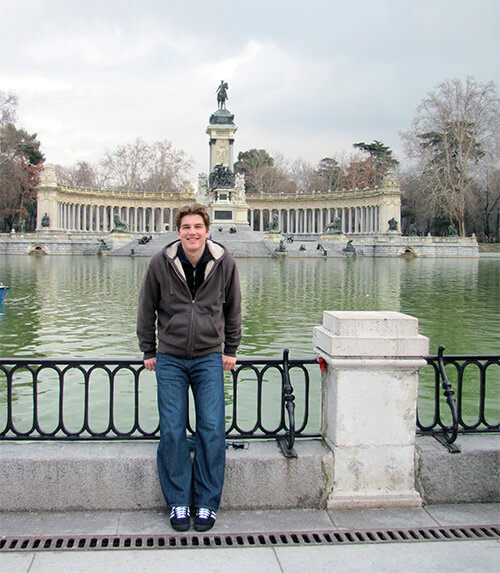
column 222, row 94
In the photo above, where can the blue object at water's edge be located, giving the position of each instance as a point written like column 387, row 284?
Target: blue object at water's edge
column 3, row 292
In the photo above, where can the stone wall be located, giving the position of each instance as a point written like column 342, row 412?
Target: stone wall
column 58, row 476
column 59, row 244
column 244, row 246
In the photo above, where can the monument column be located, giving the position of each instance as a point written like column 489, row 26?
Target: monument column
column 226, row 193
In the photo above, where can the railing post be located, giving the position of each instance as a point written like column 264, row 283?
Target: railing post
column 447, row 435
column 287, row 442
column 369, row 401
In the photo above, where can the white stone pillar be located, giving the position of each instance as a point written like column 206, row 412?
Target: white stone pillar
column 369, row 402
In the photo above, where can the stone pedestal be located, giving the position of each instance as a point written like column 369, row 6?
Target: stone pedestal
column 221, row 131
column 369, row 401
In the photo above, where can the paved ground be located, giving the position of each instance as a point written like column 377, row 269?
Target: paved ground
column 475, row 555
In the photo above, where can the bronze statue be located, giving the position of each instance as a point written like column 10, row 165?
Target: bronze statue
column 281, row 248
column 222, row 94
column 275, row 225
column 349, row 248
column 119, row 225
column 393, row 224
column 334, row 227
column 221, row 177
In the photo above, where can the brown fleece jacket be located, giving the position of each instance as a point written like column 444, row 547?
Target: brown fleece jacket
column 170, row 321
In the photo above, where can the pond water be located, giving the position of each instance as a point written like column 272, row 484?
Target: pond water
column 85, row 307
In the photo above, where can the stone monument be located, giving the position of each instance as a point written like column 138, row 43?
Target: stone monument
column 223, row 193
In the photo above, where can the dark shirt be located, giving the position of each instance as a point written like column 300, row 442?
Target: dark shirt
column 195, row 275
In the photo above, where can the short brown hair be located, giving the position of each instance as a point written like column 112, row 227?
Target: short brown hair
column 194, row 209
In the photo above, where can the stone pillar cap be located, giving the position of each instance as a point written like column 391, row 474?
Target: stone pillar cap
column 372, row 334
column 370, row 323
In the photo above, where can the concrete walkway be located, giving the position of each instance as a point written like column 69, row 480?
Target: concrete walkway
column 481, row 555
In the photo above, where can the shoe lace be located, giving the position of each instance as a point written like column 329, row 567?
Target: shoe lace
column 204, row 513
column 179, row 512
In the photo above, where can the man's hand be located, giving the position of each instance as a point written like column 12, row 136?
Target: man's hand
column 229, row 362
column 150, row 364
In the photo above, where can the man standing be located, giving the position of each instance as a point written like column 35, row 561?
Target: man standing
column 189, row 327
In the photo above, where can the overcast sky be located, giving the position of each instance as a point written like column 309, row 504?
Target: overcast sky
column 306, row 78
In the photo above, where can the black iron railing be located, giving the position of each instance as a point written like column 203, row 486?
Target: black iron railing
column 60, row 399
column 451, row 419
column 85, row 381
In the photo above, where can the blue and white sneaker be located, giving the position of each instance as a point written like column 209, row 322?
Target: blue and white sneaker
column 180, row 517
column 204, row 519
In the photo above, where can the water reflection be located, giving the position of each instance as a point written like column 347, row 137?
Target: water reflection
column 86, row 306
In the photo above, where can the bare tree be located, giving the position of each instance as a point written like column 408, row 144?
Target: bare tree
column 82, row 174
column 167, row 169
column 8, row 104
column 454, row 135
column 140, row 166
column 306, row 178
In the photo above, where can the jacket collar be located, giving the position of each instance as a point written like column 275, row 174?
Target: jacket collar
column 216, row 249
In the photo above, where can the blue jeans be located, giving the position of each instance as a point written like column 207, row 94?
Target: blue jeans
column 187, row 481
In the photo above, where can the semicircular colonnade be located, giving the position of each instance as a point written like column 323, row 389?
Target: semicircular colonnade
column 82, row 210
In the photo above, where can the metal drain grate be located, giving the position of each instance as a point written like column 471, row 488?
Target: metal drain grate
column 218, row 540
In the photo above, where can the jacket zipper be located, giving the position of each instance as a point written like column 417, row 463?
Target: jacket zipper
column 191, row 319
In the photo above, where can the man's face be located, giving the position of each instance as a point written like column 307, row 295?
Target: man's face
column 193, row 234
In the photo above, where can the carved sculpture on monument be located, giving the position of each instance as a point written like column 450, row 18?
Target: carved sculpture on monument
column 239, row 187
column 221, row 178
